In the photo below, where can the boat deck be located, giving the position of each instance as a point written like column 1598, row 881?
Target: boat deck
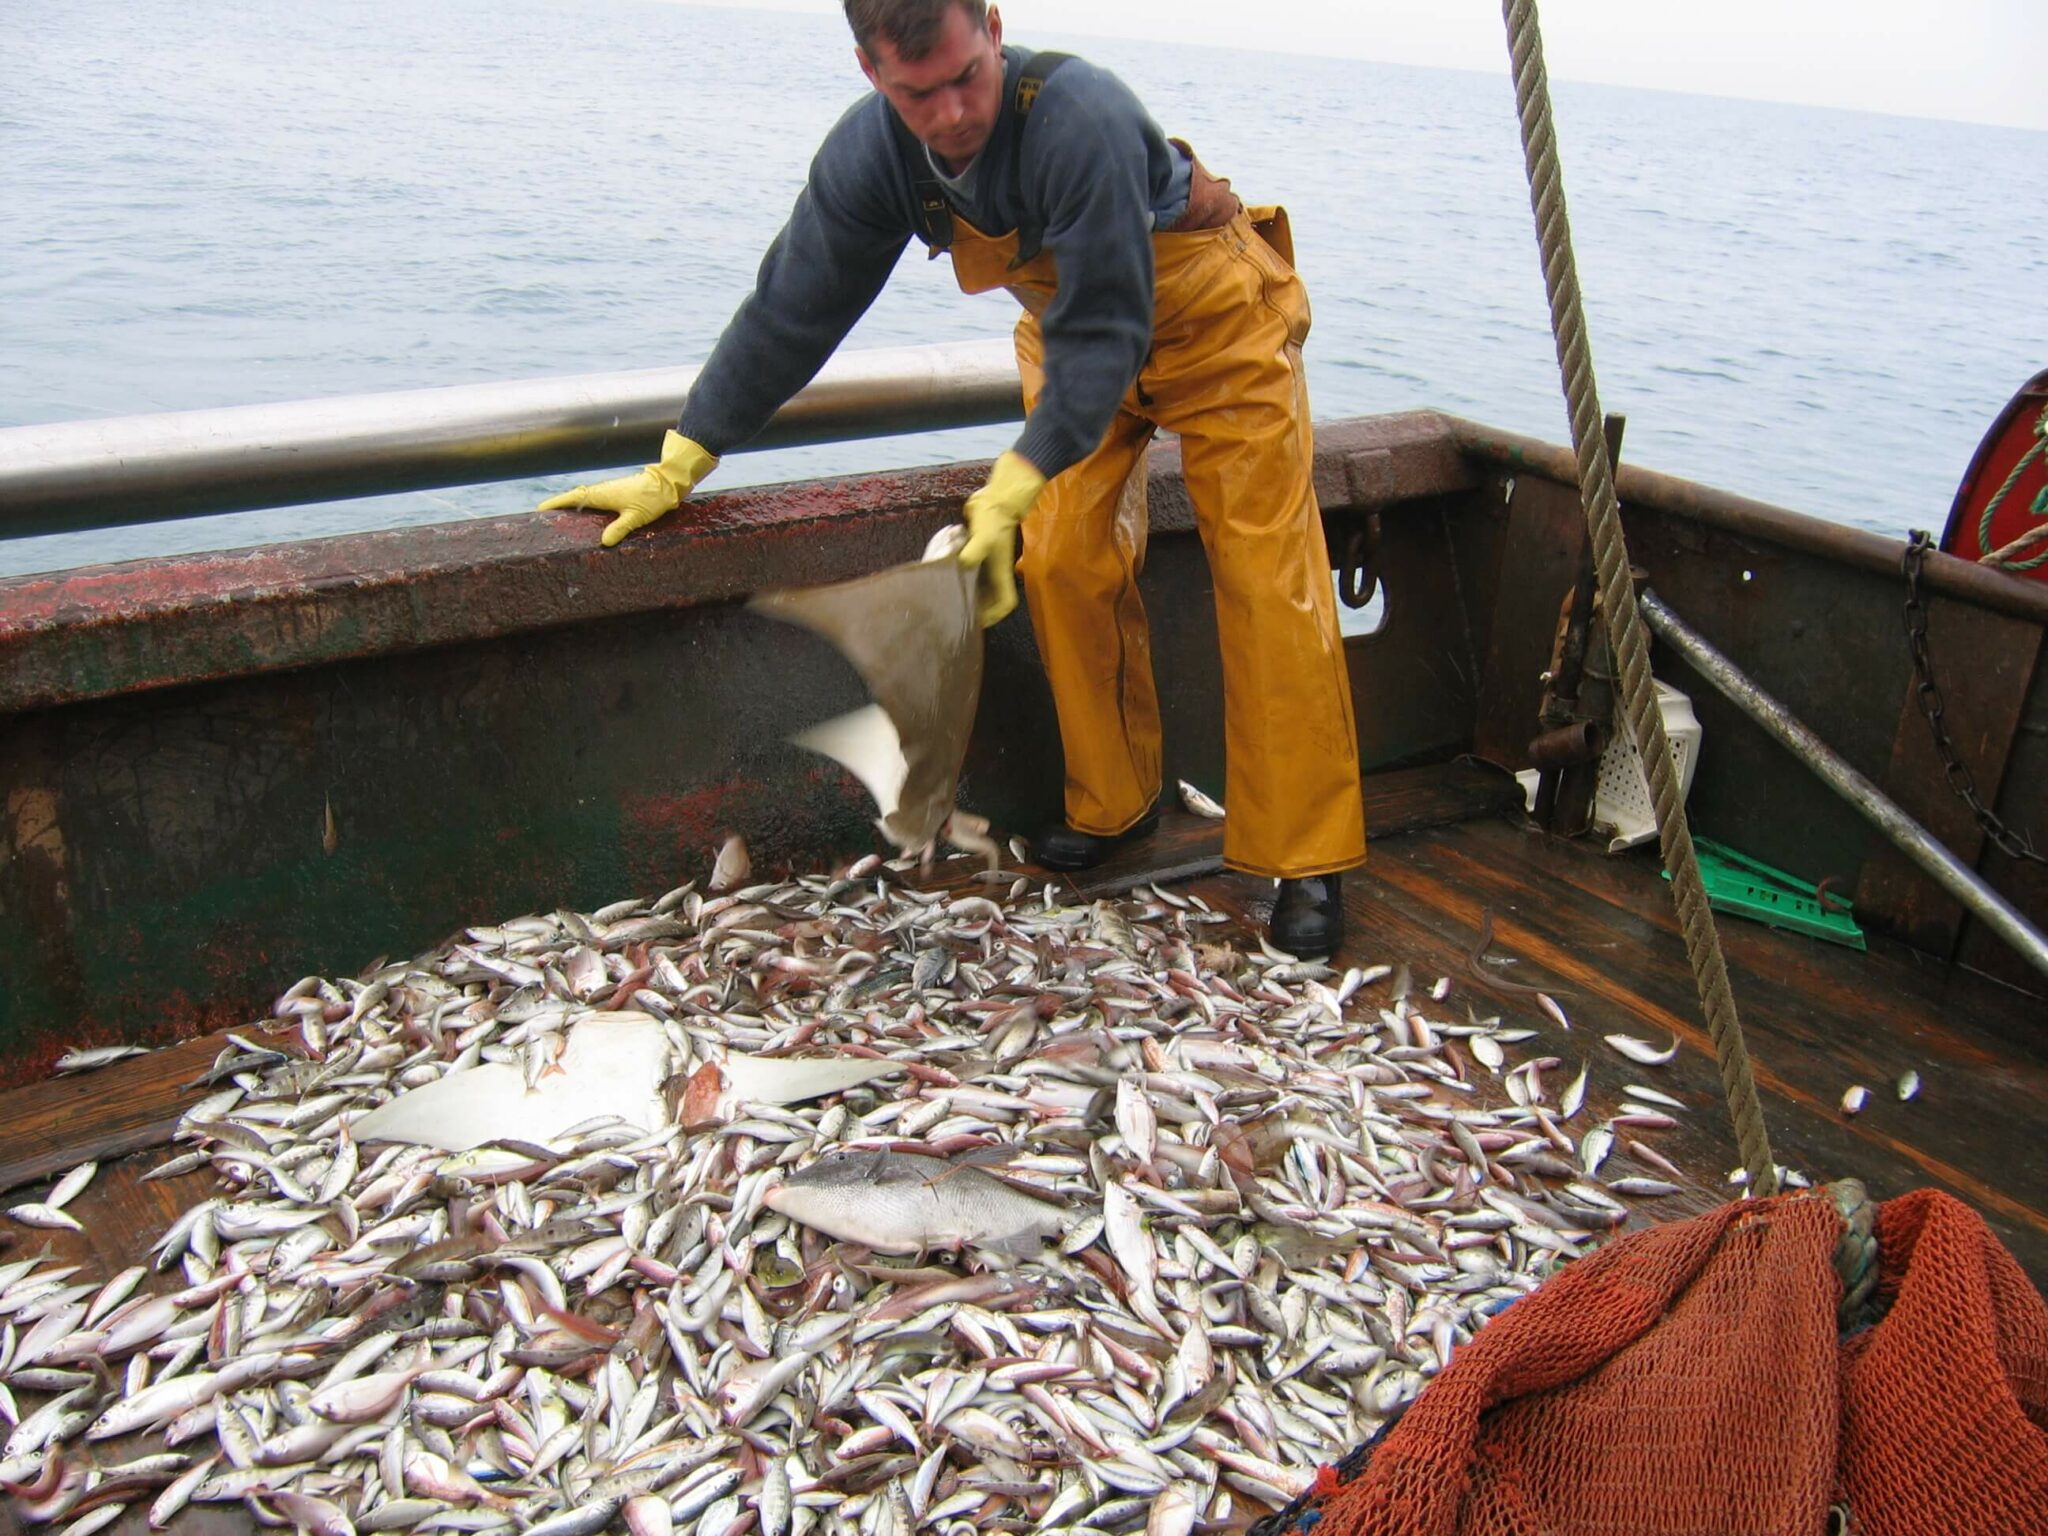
column 1597, row 933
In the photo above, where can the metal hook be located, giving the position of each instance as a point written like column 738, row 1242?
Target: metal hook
column 1358, row 575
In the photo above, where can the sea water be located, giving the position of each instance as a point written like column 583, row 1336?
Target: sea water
column 238, row 202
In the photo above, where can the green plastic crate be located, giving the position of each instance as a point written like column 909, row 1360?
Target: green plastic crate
column 1751, row 888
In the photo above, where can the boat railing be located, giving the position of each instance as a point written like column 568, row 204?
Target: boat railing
column 63, row 477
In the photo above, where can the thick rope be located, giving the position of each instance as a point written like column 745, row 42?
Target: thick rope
column 2007, row 558
column 1625, row 632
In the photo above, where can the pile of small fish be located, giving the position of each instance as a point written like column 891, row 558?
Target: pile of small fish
column 1118, row 1221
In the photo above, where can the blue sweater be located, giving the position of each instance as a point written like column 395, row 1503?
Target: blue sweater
column 1097, row 174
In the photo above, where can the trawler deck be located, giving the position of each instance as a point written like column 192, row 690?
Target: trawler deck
column 1596, row 932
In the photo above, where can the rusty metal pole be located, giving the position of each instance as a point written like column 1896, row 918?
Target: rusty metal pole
column 1900, row 830
column 64, row 476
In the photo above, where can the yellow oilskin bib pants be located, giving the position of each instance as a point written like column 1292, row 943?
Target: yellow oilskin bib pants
column 1225, row 374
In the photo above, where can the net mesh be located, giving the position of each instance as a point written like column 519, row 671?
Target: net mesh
column 1692, row 1378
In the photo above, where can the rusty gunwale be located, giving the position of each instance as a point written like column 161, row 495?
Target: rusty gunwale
column 104, row 630
column 1744, row 517
column 97, row 631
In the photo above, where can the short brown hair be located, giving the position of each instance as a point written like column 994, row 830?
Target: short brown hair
column 910, row 27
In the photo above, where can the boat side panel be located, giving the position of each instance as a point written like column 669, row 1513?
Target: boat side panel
column 2023, row 804
column 1983, row 668
column 177, row 857
column 1826, row 638
column 1815, row 616
column 1816, row 635
column 501, row 721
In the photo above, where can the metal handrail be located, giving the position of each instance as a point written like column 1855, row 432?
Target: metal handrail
column 1900, row 830
column 73, row 475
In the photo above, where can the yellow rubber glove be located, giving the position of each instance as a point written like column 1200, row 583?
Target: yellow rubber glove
column 993, row 513
column 640, row 498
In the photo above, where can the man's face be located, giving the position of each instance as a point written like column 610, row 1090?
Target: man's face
column 950, row 98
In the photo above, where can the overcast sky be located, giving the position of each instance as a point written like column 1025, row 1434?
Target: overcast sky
column 1975, row 60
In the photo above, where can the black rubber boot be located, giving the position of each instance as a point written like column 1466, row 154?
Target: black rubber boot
column 1308, row 916
column 1059, row 846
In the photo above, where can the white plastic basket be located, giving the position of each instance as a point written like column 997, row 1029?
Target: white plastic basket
column 1622, row 806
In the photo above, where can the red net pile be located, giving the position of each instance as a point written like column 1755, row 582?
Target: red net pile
column 1692, row 1378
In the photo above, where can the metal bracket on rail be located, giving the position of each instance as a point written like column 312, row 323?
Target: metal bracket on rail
column 1577, row 712
column 1358, row 576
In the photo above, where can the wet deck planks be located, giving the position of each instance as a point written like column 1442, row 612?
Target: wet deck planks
column 1597, row 932
column 134, row 1104
column 1600, row 935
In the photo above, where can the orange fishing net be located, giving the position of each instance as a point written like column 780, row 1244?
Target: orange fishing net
column 1692, row 1378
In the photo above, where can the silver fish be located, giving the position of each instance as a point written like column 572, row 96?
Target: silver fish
column 732, row 866
column 39, row 1214
column 898, row 1202
column 68, row 1188
column 98, row 1056
column 1641, row 1051
column 1309, row 1202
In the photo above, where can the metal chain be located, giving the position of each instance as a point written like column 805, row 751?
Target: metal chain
column 2012, row 844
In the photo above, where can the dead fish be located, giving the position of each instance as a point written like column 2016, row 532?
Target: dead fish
column 899, row 1202
column 1575, row 1094
column 1199, row 803
column 1594, row 1148
column 1642, row 1188
column 611, row 1064
column 69, row 1187
column 969, row 833
column 647, row 1515
column 38, row 1214
column 1854, row 1100
column 1641, row 1051
column 1651, row 1096
column 1136, row 1121
column 98, row 1056
column 1174, row 1510
column 733, row 866
column 720, row 1089
column 318, row 1516
column 1113, row 929
column 1220, row 1297
column 1909, row 1084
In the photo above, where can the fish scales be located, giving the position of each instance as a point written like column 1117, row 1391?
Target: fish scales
column 1212, row 1214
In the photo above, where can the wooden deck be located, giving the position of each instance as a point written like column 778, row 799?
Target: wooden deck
column 1600, row 935
column 1596, row 932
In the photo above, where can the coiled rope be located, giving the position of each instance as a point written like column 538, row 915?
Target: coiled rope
column 1625, row 631
column 2008, row 558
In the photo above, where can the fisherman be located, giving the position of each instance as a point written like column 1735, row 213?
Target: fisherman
column 1152, row 298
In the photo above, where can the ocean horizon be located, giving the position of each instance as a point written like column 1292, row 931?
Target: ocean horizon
column 1819, row 308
